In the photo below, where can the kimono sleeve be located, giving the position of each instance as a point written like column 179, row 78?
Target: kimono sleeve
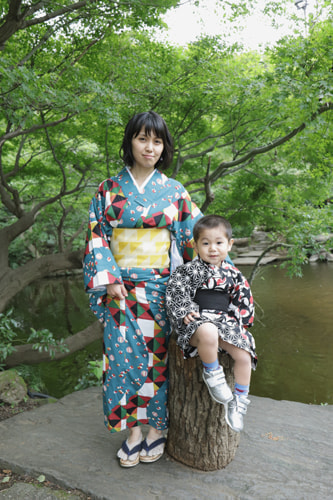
column 187, row 215
column 100, row 267
column 178, row 296
column 242, row 302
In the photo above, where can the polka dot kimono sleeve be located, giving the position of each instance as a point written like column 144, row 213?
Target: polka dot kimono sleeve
column 100, row 267
column 187, row 215
column 242, row 302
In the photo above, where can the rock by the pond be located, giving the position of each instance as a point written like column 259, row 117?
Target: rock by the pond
column 247, row 251
column 13, row 389
column 321, row 256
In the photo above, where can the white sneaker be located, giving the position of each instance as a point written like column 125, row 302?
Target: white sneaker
column 217, row 385
column 235, row 411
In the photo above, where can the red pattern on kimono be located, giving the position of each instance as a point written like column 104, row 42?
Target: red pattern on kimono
column 136, row 329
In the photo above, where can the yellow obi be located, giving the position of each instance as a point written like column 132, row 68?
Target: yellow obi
column 147, row 247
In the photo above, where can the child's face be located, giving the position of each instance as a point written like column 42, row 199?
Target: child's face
column 213, row 245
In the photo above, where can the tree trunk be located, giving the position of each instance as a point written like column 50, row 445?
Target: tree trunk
column 198, row 435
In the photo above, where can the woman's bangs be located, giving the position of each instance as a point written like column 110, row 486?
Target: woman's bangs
column 151, row 125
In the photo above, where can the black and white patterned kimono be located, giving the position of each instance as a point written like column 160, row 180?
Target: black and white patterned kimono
column 225, row 300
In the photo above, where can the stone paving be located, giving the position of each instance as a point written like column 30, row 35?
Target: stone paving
column 285, row 452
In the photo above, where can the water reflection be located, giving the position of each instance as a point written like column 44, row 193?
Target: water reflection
column 59, row 304
column 293, row 334
column 293, row 331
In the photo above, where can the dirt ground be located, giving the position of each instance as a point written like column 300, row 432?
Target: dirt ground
column 7, row 410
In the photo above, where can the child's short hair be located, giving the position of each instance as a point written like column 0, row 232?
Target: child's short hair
column 209, row 222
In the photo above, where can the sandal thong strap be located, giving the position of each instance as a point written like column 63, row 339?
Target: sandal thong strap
column 148, row 447
column 130, row 451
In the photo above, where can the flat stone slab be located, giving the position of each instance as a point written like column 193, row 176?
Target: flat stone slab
column 250, row 260
column 285, row 452
column 250, row 253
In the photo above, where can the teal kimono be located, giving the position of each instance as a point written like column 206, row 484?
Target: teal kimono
column 136, row 329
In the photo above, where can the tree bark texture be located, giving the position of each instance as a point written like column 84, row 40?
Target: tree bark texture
column 198, row 435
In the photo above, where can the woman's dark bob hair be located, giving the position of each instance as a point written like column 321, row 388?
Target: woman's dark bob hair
column 152, row 122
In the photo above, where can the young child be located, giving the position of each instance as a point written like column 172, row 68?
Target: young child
column 210, row 306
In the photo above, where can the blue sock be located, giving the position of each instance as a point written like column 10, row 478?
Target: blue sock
column 241, row 390
column 211, row 366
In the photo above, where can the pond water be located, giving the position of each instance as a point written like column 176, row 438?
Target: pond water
column 293, row 331
column 294, row 334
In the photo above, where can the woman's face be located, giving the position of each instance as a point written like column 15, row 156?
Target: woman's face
column 146, row 150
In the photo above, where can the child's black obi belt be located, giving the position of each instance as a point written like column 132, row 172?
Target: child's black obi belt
column 212, row 299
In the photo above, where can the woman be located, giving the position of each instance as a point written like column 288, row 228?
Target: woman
column 140, row 226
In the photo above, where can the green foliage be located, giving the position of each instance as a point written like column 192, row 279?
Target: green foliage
column 42, row 340
column 32, row 376
column 8, row 333
column 97, row 368
column 68, row 87
column 92, row 377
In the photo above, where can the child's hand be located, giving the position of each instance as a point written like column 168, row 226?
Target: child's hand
column 191, row 317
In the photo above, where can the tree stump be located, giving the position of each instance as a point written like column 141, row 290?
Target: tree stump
column 198, row 435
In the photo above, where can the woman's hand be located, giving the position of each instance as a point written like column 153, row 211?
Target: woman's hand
column 116, row 291
column 191, row 317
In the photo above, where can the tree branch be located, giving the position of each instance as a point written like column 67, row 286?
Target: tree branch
column 56, row 13
column 210, row 196
column 60, row 227
column 11, row 22
column 15, row 19
column 56, row 159
column 27, row 219
column 14, row 280
column 12, row 203
column 264, row 149
column 25, row 354
column 19, row 131
column 33, row 51
column 262, row 255
column 75, row 235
